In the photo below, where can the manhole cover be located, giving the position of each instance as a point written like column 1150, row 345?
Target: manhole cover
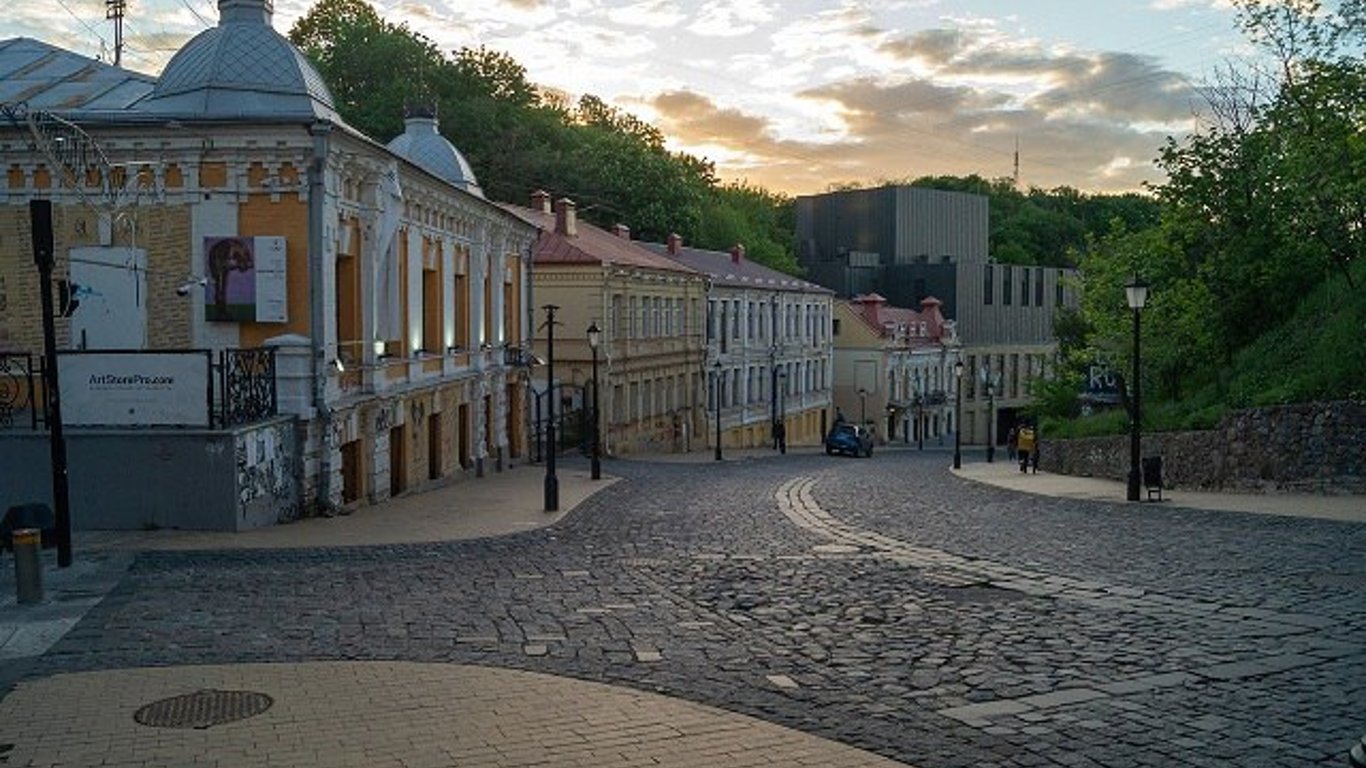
column 203, row 709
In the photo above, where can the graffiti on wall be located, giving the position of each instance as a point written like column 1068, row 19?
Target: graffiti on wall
column 266, row 472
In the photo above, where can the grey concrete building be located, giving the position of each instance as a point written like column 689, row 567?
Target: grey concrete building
column 908, row 244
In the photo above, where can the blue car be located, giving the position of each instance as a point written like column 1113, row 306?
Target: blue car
column 849, row 439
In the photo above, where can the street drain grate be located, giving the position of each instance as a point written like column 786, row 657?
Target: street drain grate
column 203, row 709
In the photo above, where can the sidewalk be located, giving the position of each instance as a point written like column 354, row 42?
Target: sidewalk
column 1007, row 474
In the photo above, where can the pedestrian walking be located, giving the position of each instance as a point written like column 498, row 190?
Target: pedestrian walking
column 780, row 434
column 1024, row 446
column 1012, row 442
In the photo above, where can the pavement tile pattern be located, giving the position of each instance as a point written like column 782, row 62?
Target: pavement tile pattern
column 397, row 714
column 881, row 603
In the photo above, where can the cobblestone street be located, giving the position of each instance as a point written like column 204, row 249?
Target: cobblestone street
column 882, row 603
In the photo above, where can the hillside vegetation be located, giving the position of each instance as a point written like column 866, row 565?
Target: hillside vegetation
column 1252, row 247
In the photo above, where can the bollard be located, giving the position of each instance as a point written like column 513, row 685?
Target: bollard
column 28, row 567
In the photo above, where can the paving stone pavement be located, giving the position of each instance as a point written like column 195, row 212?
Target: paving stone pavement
column 882, row 603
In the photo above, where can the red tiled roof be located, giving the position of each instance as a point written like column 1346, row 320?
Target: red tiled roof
column 591, row 245
column 878, row 314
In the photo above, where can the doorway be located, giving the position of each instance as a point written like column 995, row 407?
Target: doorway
column 434, row 457
column 398, row 476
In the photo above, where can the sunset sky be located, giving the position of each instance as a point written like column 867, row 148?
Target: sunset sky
column 801, row 94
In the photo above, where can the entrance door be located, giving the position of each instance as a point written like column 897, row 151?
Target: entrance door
column 434, row 455
column 350, row 458
column 464, row 432
column 398, row 476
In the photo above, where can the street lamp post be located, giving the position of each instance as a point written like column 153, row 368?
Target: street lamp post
column 863, row 407
column 958, row 416
column 920, row 421
column 552, row 483
column 990, row 383
column 1136, row 292
column 594, row 337
column 782, row 410
column 717, row 388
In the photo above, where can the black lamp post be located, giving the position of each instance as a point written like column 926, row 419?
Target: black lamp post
column 717, row 377
column 1136, row 291
column 990, row 384
column 594, row 337
column 920, row 421
column 782, row 410
column 958, row 416
column 552, row 483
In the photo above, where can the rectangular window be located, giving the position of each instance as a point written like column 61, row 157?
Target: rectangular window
column 1006, row 287
column 461, row 310
column 431, row 311
column 835, row 326
column 988, row 290
column 1038, row 288
column 631, row 319
column 1057, row 290
column 711, row 320
column 1024, row 287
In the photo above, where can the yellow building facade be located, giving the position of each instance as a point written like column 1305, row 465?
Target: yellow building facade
column 395, row 297
column 650, row 312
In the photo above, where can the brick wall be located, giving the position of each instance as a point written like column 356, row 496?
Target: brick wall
column 1308, row 447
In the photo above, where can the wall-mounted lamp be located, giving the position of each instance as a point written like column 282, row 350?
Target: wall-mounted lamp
column 453, row 349
column 338, row 365
column 379, row 347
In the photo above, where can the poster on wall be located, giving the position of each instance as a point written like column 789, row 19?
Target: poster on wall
column 245, row 279
column 135, row 389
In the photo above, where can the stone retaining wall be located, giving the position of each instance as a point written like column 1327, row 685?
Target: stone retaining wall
column 1307, row 447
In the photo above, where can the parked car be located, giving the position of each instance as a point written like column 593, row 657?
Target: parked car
column 851, row 439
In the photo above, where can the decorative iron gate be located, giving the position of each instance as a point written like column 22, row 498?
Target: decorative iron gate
column 21, row 403
column 573, row 428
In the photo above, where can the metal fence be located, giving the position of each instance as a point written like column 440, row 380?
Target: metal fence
column 573, row 415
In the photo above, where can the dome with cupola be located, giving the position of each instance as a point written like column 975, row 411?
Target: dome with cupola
column 241, row 69
column 422, row 144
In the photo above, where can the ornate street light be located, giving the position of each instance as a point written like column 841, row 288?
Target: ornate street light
column 716, row 367
column 552, row 483
column 991, row 383
column 782, row 410
column 958, row 416
column 594, row 338
column 1136, row 292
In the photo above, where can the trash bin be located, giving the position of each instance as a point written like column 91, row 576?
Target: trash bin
column 1152, row 476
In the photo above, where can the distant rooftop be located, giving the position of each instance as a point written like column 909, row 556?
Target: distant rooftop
column 50, row 78
column 726, row 269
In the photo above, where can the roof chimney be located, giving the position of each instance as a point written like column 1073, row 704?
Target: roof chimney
column 566, row 220
column 737, row 254
column 622, row 231
column 675, row 243
column 540, row 201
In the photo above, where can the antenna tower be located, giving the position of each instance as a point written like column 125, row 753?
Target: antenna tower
column 1016, row 176
column 113, row 9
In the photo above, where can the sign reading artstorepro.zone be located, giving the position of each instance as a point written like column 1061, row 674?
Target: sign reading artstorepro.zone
column 135, row 389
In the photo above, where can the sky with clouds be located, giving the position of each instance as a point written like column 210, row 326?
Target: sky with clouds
column 797, row 95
